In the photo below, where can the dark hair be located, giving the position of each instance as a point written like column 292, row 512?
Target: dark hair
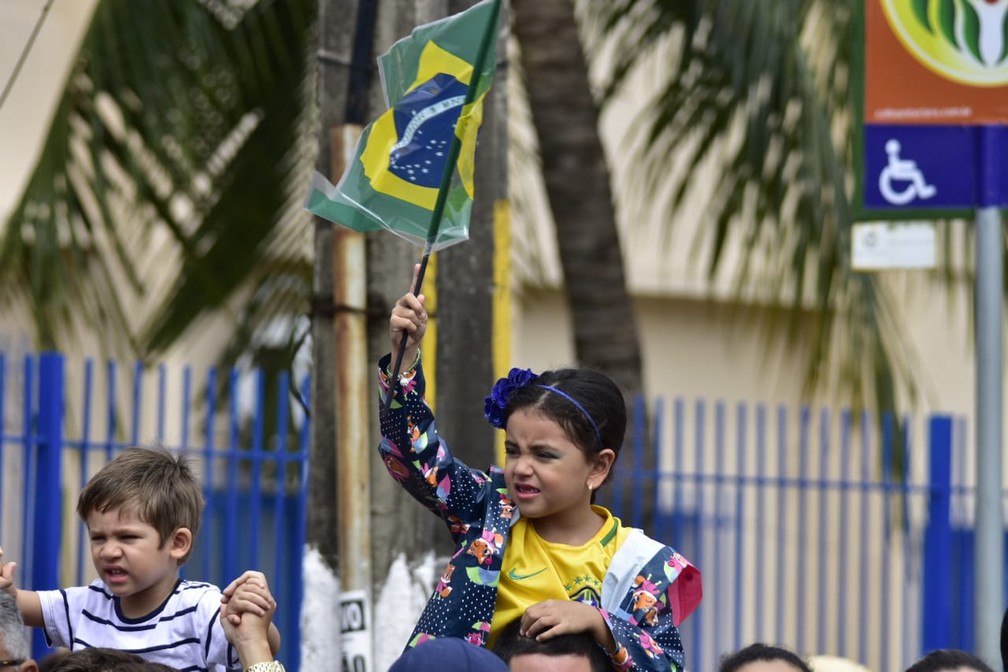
column 106, row 660
column 761, row 652
column 948, row 659
column 160, row 486
column 1004, row 641
column 600, row 406
column 510, row 644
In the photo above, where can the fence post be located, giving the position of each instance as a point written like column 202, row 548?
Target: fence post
column 936, row 587
column 48, row 482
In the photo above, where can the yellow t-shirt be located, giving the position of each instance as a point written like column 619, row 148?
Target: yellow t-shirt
column 534, row 569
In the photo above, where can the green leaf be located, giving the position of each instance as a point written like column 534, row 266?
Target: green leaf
column 183, row 137
column 1004, row 42
column 946, row 20
column 920, row 10
column 971, row 30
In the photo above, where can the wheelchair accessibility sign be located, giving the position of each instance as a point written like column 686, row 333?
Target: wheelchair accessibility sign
column 919, row 167
column 932, row 107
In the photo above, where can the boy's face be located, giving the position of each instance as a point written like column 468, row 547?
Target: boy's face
column 131, row 559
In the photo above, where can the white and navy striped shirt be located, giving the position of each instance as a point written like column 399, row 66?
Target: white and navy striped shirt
column 184, row 632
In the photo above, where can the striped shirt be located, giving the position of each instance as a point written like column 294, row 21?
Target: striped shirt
column 184, row 632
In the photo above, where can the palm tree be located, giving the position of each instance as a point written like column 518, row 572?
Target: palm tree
column 565, row 117
column 763, row 89
column 182, row 140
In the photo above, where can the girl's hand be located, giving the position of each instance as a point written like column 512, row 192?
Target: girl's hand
column 549, row 618
column 409, row 316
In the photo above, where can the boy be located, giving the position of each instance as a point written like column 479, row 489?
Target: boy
column 142, row 512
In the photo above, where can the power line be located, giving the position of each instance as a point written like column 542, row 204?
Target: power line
column 24, row 53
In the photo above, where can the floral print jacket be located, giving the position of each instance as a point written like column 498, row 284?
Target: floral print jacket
column 648, row 589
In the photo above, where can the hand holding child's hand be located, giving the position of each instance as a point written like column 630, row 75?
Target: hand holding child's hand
column 7, row 577
column 409, row 316
column 549, row 618
column 249, row 593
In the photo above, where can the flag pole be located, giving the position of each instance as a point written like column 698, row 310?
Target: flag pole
column 450, row 165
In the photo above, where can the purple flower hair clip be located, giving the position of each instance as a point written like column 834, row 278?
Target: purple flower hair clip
column 497, row 400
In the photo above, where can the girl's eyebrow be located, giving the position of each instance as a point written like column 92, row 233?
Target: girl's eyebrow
column 538, row 446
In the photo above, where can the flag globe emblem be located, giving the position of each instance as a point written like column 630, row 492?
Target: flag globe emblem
column 425, row 123
column 407, row 151
column 965, row 41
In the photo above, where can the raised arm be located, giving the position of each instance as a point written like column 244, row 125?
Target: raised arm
column 409, row 317
column 27, row 600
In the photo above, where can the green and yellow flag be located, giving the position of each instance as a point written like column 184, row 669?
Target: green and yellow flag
column 418, row 157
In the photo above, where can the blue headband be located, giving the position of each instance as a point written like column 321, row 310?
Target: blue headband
column 581, row 408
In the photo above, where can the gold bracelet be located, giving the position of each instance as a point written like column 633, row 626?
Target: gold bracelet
column 412, row 367
column 271, row 666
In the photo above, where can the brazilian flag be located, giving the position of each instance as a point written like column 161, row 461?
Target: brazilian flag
column 424, row 145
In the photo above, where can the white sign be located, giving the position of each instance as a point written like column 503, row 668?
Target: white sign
column 885, row 245
column 355, row 631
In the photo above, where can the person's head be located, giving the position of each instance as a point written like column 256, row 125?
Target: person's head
column 47, row 663
column 949, row 660
column 158, row 486
column 565, row 429
column 142, row 511
column 564, row 653
column 106, row 660
column 1004, row 641
column 447, row 654
column 15, row 651
column 763, row 658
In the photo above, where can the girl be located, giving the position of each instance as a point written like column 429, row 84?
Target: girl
column 531, row 545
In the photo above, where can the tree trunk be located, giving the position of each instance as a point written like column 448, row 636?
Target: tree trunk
column 576, row 176
column 565, row 117
column 335, row 36
column 321, row 563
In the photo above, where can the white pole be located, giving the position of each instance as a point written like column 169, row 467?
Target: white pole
column 989, row 549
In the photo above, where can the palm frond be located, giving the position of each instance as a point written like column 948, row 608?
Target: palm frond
column 180, row 144
column 762, row 90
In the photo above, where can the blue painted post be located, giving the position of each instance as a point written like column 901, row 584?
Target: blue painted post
column 937, row 598
column 48, row 475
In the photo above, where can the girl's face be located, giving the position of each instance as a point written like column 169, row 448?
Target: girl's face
column 547, row 474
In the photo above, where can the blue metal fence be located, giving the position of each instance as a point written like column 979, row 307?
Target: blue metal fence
column 805, row 535
column 803, row 532
column 60, row 423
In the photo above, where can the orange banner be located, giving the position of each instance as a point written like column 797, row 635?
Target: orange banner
column 941, row 62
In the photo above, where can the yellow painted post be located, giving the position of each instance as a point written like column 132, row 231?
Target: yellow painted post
column 501, row 302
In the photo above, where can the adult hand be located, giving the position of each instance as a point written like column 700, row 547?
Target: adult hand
column 249, row 593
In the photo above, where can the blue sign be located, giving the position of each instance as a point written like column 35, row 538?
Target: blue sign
column 934, row 167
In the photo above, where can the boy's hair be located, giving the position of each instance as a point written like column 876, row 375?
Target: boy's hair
column 510, row 644
column 106, row 660
column 600, row 405
column 1004, row 641
column 761, row 652
column 948, row 660
column 160, row 486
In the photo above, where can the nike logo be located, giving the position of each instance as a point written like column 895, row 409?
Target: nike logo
column 518, row 577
